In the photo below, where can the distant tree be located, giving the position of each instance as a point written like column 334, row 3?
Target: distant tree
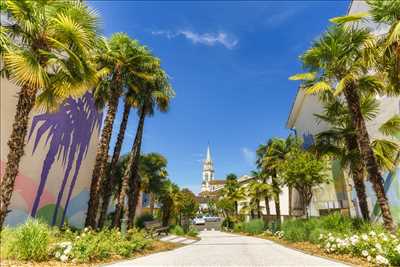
column 303, row 171
column 188, row 208
column 233, row 191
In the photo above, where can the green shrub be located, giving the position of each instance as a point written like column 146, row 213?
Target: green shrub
column 193, row 232
column 228, row 222
column 238, row 227
column 145, row 217
column 30, row 241
column 254, row 227
column 336, row 223
column 176, row 230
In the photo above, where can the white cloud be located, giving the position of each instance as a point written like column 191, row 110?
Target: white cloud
column 280, row 17
column 208, row 39
column 249, row 156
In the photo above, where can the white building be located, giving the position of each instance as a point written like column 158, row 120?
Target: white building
column 340, row 194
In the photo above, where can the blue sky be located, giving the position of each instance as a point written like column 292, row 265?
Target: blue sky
column 229, row 63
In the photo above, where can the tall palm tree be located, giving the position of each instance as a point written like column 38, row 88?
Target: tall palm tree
column 152, row 94
column 110, row 182
column 126, row 59
column 49, row 62
column 343, row 56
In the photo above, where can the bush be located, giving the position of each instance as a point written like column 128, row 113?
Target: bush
column 145, row 217
column 254, row 227
column 228, row 222
column 238, row 227
column 30, row 241
column 193, row 232
column 176, row 230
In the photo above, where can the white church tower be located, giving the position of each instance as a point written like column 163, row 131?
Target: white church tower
column 208, row 171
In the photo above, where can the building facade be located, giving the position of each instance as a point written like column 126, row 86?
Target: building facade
column 55, row 172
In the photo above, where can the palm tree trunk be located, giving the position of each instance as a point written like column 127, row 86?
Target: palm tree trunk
column 236, row 208
column 267, row 206
column 290, row 201
column 357, row 173
column 130, row 180
column 16, row 145
column 102, row 154
column 353, row 102
column 110, row 182
column 276, row 190
column 152, row 203
column 258, row 209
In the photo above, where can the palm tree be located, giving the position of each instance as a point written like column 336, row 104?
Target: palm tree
column 110, row 182
column 343, row 56
column 259, row 175
column 169, row 199
column 257, row 191
column 127, row 61
column 341, row 142
column 153, row 94
column 233, row 191
column 153, row 173
column 50, row 62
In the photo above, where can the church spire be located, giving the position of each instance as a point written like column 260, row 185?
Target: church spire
column 208, row 158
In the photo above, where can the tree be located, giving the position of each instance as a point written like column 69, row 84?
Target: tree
column 269, row 158
column 261, row 176
column 257, row 191
column 153, row 173
column 233, row 191
column 153, row 94
column 110, row 182
column 49, row 62
column 169, row 199
column 188, row 208
column 303, row 171
column 344, row 56
column 340, row 141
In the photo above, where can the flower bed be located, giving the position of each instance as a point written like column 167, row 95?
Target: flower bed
column 37, row 242
column 381, row 249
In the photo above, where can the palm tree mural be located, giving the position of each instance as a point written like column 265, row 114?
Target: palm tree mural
column 69, row 133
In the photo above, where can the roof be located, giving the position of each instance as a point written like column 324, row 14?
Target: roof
column 217, row 182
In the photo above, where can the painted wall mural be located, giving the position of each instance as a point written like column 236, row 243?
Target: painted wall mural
column 54, row 179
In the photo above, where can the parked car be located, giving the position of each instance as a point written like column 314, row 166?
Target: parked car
column 211, row 218
column 199, row 220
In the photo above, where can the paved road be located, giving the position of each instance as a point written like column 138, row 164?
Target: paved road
column 222, row 249
column 209, row 225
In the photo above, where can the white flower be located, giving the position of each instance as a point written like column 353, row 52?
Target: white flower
column 331, row 238
column 364, row 237
column 385, row 238
column 378, row 246
column 397, row 248
column 321, row 236
column 381, row 260
column 369, row 258
column 58, row 254
column 364, row 253
column 67, row 250
column 372, row 233
column 86, row 229
column 83, row 234
column 328, row 245
column 64, row 258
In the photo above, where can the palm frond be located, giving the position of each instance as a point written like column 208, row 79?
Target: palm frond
column 391, row 127
column 309, row 76
column 386, row 153
column 318, row 87
column 349, row 18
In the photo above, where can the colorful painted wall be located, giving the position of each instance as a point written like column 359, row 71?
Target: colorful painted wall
column 54, row 177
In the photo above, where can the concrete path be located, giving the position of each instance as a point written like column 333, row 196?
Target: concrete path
column 222, row 249
column 177, row 239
